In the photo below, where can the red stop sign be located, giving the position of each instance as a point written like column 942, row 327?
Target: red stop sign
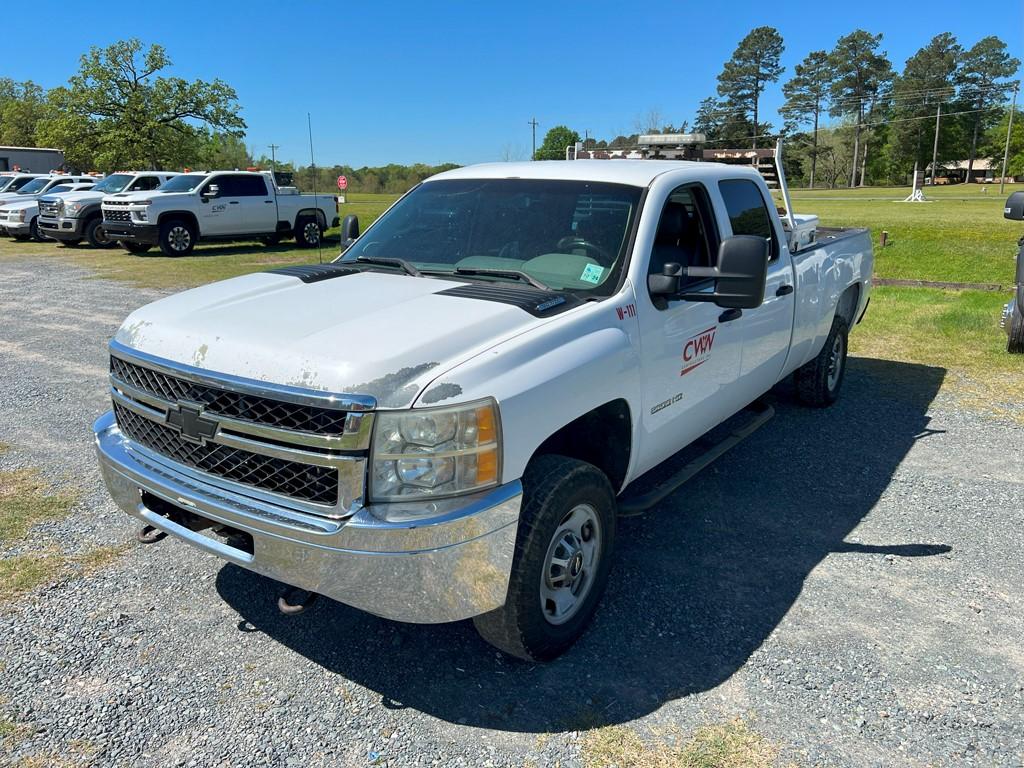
column 342, row 182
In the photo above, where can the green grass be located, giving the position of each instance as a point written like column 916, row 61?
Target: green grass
column 960, row 237
column 207, row 263
column 24, row 501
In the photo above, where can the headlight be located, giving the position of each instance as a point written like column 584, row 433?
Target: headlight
column 20, row 215
column 70, row 209
column 432, row 452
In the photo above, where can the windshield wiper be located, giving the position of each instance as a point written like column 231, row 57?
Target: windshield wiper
column 400, row 263
column 503, row 273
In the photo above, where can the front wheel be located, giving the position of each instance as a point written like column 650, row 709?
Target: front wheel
column 818, row 381
column 136, row 248
column 308, row 232
column 561, row 563
column 33, row 231
column 96, row 235
column 1015, row 344
column 177, row 238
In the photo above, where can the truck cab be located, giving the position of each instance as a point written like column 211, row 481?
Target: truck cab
column 77, row 216
column 445, row 422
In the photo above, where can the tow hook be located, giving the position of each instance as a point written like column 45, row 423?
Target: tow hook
column 148, row 534
column 294, row 601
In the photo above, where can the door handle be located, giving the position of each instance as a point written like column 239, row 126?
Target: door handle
column 730, row 315
column 269, row 202
column 784, row 290
column 233, row 202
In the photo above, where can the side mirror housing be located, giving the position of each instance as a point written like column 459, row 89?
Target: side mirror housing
column 212, row 190
column 740, row 275
column 349, row 228
column 667, row 283
column 1014, row 208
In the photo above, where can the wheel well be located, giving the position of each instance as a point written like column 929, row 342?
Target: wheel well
column 848, row 302
column 186, row 216
column 321, row 219
column 601, row 437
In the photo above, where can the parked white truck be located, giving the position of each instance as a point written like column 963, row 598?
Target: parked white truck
column 219, row 205
column 19, row 215
column 73, row 217
column 445, row 422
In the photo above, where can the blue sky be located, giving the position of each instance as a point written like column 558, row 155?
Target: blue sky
column 457, row 81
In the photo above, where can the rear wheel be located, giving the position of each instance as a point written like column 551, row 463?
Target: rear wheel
column 177, row 238
column 135, row 248
column 308, row 232
column 561, row 562
column 71, row 243
column 818, row 382
column 1015, row 345
column 270, row 240
column 33, row 231
column 96, row 235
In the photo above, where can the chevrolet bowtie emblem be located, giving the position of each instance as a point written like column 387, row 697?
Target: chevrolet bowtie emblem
column 188, row 420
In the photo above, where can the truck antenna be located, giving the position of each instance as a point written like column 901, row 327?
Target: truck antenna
column 316, row 200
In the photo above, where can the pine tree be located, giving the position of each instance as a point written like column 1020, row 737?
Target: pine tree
column 805, row 94
column 753, row 65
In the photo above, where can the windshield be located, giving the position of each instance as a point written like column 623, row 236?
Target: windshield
column 5, row 182
column 34, row 186
column 569, row 235
column 184, row 183
column 59, row 188
column 113, row 183
column 19, row 183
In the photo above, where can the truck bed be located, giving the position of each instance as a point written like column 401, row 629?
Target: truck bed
column 832, row 235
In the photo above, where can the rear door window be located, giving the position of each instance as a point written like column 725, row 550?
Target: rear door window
column 748, row 212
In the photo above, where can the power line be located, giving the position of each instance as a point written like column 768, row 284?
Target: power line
column 533, row 124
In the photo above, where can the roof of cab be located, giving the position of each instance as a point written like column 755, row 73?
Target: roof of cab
column 638, row 173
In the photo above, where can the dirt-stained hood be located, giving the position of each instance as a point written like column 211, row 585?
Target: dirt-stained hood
column 369, row 333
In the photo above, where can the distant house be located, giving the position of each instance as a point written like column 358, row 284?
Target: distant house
column 983, row 171
column 31, row 159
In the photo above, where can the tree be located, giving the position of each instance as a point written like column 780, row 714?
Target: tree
column 22, row 106
column 805, row 94
column 924, row 85
column 979, row 78
column 555, row 142
column 118, row 111
column 995, row 144
column 753, row 65
column 859, row 74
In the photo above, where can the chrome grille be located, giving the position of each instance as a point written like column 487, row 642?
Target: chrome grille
column 245, row 407
column 109, row 215
column 316, row 484
column 49, row 208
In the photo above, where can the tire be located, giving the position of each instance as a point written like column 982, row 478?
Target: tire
column 20, row 238
column 177, row 237
column 71, row 243
column 558, row 494
column 33, row 231
column 95, row 235
column 308, row 232
column 1015, row 344
column 270, row 240
column 136, row 248
column 819, row 381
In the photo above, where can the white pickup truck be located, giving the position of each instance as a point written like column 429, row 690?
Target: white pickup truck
column 445, row 422
column 19, row 214
column 76, row 216
column 218, row 205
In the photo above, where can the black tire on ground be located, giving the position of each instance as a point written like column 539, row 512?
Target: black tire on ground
column 71, row 243
column 95, row 235
column 21, row 238
column 135, row 248
column 1015, row 345
column 556, row 491
column 818, row 382
column 33, row 231
column 177, row 237
column 308, row 232
column 270, row 240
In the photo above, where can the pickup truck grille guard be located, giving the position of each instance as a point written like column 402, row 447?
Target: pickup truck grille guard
column 301, row 449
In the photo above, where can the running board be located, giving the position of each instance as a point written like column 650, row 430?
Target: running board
column 637, row 504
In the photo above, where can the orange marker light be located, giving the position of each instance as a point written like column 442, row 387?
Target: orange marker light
column 487, row 467
column 485, row 427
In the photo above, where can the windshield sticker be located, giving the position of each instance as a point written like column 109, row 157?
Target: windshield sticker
column 697, row 350
column 592, row 274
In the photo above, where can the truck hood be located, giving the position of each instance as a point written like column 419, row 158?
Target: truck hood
column 368, row 333
column 85, row 195
column 17, row 203
column 8, row 200
column 152, row 194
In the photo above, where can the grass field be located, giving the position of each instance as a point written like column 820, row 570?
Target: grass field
column 959, row 237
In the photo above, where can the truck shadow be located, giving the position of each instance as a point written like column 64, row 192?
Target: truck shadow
column 699, row 583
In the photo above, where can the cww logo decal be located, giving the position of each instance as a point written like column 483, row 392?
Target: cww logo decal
column 697, row 350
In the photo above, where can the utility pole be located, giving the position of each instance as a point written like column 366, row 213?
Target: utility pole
column 533, row 124
column 1009, row 128
column 935, row 144
column 273, row 156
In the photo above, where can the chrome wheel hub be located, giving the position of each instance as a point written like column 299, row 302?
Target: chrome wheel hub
column 835, row 362
column 570, row 564
column 179, row 238
column 312, row 233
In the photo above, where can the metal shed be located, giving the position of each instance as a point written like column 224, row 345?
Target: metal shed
column 33, row 159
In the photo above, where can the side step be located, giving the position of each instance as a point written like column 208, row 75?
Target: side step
column 638, row 501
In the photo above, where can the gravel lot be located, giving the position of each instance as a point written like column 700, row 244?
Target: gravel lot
column 850, row 580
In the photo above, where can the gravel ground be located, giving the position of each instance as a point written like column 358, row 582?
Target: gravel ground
column 850, row 580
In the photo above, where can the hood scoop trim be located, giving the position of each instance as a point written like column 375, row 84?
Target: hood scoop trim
column 314, row 273
column 538, row 303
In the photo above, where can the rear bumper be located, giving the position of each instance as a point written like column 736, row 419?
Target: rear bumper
column 148, row 234
column 61, row 229
column 388, row 559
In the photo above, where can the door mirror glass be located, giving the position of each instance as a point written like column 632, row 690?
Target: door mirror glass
column 349, row 228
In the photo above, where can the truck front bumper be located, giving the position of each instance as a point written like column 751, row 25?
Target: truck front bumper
column 61, row 229
column 148, row 234
column 424, row 562
column 1006, row 318
column 17, row 229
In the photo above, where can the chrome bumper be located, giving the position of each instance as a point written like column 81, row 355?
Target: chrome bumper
column 386, row 559
column 1007, row 315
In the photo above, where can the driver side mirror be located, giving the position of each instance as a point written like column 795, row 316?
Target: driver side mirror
column 1014, row 208
column 349, row 229
column 212, row 190
column 740, row 275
